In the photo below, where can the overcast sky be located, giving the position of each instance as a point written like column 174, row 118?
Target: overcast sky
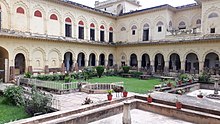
column 144, row 3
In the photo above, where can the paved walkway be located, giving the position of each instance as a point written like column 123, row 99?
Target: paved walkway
column 75, row 100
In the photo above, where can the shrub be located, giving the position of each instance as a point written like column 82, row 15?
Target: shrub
column 67, row 78
column 205, row 77
column 126, row 69
column 27, row 75
column 136, row 74
column 100, row 70
column 88, row 73
column 14, row 95
column 38, row 103
column 183, row 77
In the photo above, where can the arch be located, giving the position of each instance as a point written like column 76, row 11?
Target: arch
column 41, row 50
column 92, row 25
column 192, row 63
column 57, row 51
column 182, row 25
column 20, row 64
column 198, row 21
column 133, row 60
column 68, row 20
column 39, row 8
column 37, row 13
column 123, row 29
column 110, row 60
column 38, row 58
column 81, row 59
column 102, row 27
column 159, row 63
column 92, row 59
column 213, row 15
column 145, row 61
column 81, row 23
column 211, row 60
column 102, row 59
column 110, row 29
column 210, row 51
column 53, row 17
column 20, row 10
column 160, row 23
column 3, row 55
column 134, row 27
column 174, row 62
column 68, row 61
column 146, row 21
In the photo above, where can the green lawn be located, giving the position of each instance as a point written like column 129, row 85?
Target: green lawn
column 11, row 113
column 130, row 84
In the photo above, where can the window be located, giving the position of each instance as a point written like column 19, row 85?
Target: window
column 182, row 25
column 92, row 32
column 81, row 30
column 213, row 15
column 146, row 32
column 159, row 26
column 110, row 35
column 20, row 10
column 198, row 22
column 68, row 27
column 37, row 13
column 53, row 17
column 123, row 29
column 133, row 29
column 159, row 29
column 212, row 30
column 102, row 33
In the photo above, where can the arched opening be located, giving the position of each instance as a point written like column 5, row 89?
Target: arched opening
column 81, row 30
column 81, row 59
column 182, row 25
column 133, row 60
column 146, row 31
column 159, row 26
column 20, row 64
column 68, row 61
column 38, row 13
column 192, row 63
column 110, row 35
column 102, row 59
column 110, row 60
column 92, row 32
column 145, row 61
column 211, row 61
column 159, row 63
column 174, row 63
column 3, row 56
column 68, row 27
column 92, row 59
column 102, row 33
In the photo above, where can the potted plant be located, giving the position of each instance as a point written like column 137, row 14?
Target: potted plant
column 200, row 95
column 109, row 96
column 169, row 84
column 149, row 98
column 178, row 103
column 125, row 93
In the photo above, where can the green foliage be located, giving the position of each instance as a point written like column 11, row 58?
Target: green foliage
column 126, row 69
column 183, row 77
column 14, row 95
column 100, row 70
column 54, row 77
column 205, row 77
column 27, row 75
column 110, row 92
column 67, row 78
column 88, row 73
column 38, row 103
column 136, row 74
column 77, row 76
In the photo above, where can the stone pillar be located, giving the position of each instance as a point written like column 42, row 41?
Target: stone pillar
column 166, row 66
column 30, row 69
column 201, row 67
column 152, row 67
column 126, row 119
column 12, row 72
column 139, row 65
column 6, row 70
column 86, row 63
column 97, row 63
column 106, row 63
column 63, row 68
column 76, row 67
column 46, row 69
column 182, row 66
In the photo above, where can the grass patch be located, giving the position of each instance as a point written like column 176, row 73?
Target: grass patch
column 130, row 84
column 10, row 113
